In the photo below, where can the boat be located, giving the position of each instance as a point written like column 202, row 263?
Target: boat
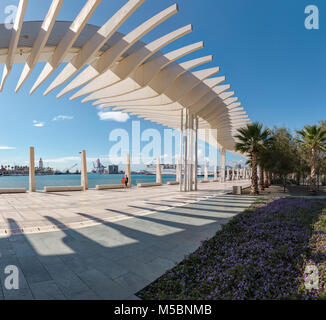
column 166, row 170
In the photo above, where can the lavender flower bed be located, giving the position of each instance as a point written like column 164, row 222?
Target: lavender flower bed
column 260, row 254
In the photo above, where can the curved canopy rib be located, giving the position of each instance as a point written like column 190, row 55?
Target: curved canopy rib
column 120, row 71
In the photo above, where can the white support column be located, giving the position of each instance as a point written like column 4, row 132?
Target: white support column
column 232, row 174
column 191, row 148
column 196, row 156
column 186, row 154
column 158, row 171
column 227, row 174
column 84, row 179
column 32, row 187
column 194, row 174
column 181, row 150
column 215, row 174
column 128, row 170
column 205, row 171
column 222, row 165
column 178, row 172
column 189, row 153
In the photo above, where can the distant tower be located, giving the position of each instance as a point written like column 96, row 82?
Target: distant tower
column 40, row 164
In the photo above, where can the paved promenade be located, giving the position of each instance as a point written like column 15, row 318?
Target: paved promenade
column 106, row 244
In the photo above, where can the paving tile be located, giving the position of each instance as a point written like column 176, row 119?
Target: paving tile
column 72, row 286
column 23, row 249
column 33, row 270
column 21, row 294
column 110, row 268
column 1, row 293
column 47, row 290
column 104, row 286
column 132, row 281
column 75, row 263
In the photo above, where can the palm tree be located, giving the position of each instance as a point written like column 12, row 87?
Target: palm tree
column 313, row 139
column 253, row 139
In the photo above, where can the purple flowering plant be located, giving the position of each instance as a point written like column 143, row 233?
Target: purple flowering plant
column 260, row 254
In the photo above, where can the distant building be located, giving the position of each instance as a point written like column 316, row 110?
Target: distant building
column 40, row 164
column 113, row 169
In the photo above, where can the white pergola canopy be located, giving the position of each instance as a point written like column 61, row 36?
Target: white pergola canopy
column 112, row 69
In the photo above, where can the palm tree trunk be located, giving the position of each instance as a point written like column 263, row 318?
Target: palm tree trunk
column 298, row 178
column 266, row 179
column 261, row 178
column 254, row 178
column 313, row 172
column 284, row 183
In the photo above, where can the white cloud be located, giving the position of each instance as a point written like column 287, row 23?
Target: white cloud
column 113, row 116
column 38, row 124
column 7, row 148
column 62, row 117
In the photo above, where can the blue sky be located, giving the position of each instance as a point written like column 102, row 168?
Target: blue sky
column 275, row 66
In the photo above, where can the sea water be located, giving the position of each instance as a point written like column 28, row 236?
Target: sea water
column 74, row 180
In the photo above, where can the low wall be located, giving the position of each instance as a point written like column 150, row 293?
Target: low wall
column 63, row 188
column 110, row 186
column 13, row 190
column 204, row 181
column 146, row 185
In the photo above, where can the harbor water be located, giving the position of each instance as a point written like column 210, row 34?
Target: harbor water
column 74, row 180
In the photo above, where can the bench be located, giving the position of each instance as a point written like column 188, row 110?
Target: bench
column 204, row 181
column 172, row 183
column 110, row 186
column 237, row 190
column 63, row 188
column 13, row 190
column 146, row 185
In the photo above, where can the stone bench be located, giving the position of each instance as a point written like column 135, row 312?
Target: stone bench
column 109, row 186
column 13, row 190
column 63, row 188
column 237, row 190
column 146, row 185
column 172, row 183
column 204, row 181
